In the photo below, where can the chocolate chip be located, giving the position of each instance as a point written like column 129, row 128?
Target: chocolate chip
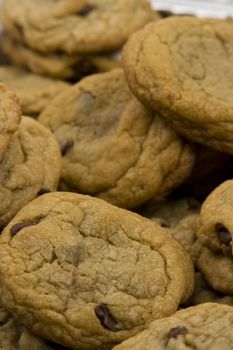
column 223, row 234
column 105, row 317
column 165, row 13
column 17, row 227
column 85, row 10
column 66, row 146
column 164, row 224
column 83, row 68
column 174, row 332
column 44, row 190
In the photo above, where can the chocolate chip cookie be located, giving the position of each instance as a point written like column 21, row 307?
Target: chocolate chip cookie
column 83, row 26
column 170, row 212
column 180, row 218
column 58, row 65
column 13, row 336
column 10, row 116
column 182, row 67
column 31, row 166
column 214, row 232
column 215, row 228
column 86, row 274
column 112, row 146
column 203, row 293
column 34, row 91
column 206, row 326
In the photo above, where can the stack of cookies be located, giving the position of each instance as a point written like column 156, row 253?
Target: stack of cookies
column 30, row 160
column 115, row 212
column 64, row 40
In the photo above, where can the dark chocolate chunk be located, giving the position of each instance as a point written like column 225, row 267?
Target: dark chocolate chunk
column 165, row 13
column 105, row 317
column 85, row 10
column 164, row 224
column 83, row 68
column 174, row 332
column 66, row 146
column 223, row 234
column 17, row 227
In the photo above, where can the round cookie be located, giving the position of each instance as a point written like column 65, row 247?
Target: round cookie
column 74, row 26
column 206, row 326
column 34, row 91
column 214, row 232
column 217, row 270
column 10, row 116
column 13, row 336
column 31, row 166
column 203, row 293
column 112, row 146
column 170, row 212
column 215, row 227
column 185, row 233
column 86, row 274
column 182, row 67
column 180, row 217
column 58, row 65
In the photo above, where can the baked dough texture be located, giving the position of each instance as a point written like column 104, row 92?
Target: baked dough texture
column 113, row 147
column 182, row 68
column 88, row 275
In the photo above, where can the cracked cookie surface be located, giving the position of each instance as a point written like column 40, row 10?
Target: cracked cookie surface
column 206, row 326
column 75, row 26
column 113, row 147
column 10, row 116
column 88, row 275
column 58, row 65
column 32, row 164
column 34, row 91
column 174, row 67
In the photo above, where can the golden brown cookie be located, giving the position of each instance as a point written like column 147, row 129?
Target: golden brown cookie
column 217, row 270
column 171, row 211
column 58, row 65
column 86, row 274
column 214, row 231
column 180, row 218
column 215, row 228
column 206, row 326
column 113, row 147
column 13, row 336
column 10, row 116
column 74, row 26
column 203, row 293
column 182, row 68
column 31, row 166
column 34, row 91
